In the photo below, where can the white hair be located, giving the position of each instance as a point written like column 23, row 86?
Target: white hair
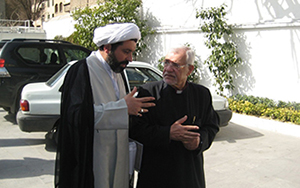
column 190, row 54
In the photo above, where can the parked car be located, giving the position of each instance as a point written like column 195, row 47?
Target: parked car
column 40, row 102
column 24, row 61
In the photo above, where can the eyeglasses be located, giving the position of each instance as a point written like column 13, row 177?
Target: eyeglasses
column 173, row 65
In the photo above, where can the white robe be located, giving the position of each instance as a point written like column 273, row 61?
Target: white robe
column 110, row 159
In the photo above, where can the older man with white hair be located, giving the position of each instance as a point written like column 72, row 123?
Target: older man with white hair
column 92, row 146
column 177, row 131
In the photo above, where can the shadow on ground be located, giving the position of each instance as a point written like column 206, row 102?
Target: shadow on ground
column 32, row 166
column 233, row 132
column 15, row 142
column 10, row 117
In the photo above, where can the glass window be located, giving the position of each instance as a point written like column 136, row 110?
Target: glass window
column 31, row 55
column 60, row 7
column 58, row 75
column 52, row 56
column 56, row 8
column 41, row 56
column 74, row 54
column 138, row 76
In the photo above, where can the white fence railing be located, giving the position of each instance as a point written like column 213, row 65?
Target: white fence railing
column 18, row 26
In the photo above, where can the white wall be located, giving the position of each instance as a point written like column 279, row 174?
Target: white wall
column 270, row 43
column 270, row 46
column 274, row 56
column 60, row 25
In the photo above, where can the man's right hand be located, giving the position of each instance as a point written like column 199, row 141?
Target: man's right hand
column 183, row 133
column 137, row 106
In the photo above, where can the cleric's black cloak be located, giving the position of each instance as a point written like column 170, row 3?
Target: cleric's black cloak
column 74, row 159
column 167, row 163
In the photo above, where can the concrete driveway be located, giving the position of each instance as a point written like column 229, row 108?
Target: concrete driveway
column 24, row 162
column 254, row 153
column 242, row 156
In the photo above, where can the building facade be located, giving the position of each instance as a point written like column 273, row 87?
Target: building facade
column 56, row 8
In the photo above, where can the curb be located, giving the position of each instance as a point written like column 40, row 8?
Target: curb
column 266, row 124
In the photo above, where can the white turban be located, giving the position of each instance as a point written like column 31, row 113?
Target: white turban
column 114, row 33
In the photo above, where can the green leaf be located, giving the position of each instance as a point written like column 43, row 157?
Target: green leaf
column 223, row 54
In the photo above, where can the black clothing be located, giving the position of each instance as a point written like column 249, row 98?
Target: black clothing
column 74, row 159
column 167, row 163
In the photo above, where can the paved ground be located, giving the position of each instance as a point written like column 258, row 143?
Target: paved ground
column 245, row 156
column 24, row 162
column 242, row 155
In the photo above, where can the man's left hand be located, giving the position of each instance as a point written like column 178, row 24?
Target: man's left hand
column 191, row 144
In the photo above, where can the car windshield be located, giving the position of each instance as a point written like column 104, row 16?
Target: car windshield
column 58, row 75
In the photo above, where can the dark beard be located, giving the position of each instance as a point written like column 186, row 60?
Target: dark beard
column 114, row 64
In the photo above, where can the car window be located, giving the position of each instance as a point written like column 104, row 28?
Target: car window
column 30, row 55
column 138, row 76
column 52, row 56
column 39, row 56
column 58, row 75
column 74, row 54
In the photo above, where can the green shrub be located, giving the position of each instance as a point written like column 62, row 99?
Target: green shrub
column 258, row 106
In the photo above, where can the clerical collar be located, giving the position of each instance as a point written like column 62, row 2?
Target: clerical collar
column 179, row 91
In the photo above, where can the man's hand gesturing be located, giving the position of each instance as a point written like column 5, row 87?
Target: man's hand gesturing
column 137, row 106
column 184, row 134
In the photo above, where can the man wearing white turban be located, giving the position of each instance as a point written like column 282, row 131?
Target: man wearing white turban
column 92, row 148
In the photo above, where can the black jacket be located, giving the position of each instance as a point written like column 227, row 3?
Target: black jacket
column 167, row 163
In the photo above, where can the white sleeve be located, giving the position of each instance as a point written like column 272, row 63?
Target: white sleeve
column 112, row 115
